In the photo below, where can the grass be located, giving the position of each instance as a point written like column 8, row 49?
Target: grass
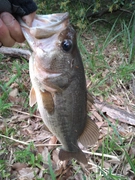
column 107, row 53
column 97, row 60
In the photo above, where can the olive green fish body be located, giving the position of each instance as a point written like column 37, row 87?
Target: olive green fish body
column 59, row 85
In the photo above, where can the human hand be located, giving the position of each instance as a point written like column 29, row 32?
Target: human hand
column 10, row 30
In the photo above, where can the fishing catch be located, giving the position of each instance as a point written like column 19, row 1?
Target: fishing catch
column 58, row 83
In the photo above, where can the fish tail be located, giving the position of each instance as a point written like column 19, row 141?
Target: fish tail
column 79, row 156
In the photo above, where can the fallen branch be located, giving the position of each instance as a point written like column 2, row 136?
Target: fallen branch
column 26, row 113
column 101, row 155
column 115, row 113
column 15, row 52
column 27, row 143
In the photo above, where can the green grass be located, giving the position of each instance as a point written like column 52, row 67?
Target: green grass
column 97, row 62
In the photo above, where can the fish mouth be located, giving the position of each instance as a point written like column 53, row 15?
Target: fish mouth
column 43, row 28
column 48, row 25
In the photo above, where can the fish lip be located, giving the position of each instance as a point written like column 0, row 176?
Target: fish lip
column 63, row 18
column 54, row 19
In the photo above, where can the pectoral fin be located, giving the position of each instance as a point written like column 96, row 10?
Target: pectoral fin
column 90, row 134
column 47, row 101
column 32, row 97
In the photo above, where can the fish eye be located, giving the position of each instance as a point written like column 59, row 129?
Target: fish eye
column 66, row 45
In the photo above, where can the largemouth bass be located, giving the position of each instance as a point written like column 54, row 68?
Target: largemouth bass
column 58, row 83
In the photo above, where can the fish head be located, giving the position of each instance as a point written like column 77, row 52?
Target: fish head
column 53, row 40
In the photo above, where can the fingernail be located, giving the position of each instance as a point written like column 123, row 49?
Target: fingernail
column 7, row 18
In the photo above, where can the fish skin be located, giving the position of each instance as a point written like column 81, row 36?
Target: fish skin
column 58, row 76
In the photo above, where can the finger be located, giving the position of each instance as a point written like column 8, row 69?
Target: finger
column 5, row 37
column 13, row 27
column 29, row 18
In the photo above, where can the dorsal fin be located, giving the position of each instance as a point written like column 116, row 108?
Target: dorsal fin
column 90, row 134
column 32, row 97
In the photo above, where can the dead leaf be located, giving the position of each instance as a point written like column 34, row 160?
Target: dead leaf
column 132, row 152
column 126, row 169
column 99, row 124
column 27, row 173
column 14, row 85
column 106, row 164
column 18, row 166
column 53, row 140
column 97, row 116
column 45, row 153
column 2, row 126
column 13, row 94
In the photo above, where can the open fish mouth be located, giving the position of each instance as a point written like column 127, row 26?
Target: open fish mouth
column 45, row 30
column 49, row 24
column 44, row 26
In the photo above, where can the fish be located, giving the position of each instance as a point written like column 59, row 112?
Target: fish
column 59, row 84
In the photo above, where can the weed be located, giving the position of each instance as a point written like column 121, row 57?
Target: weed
column 26, row 155
column 50, row 168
